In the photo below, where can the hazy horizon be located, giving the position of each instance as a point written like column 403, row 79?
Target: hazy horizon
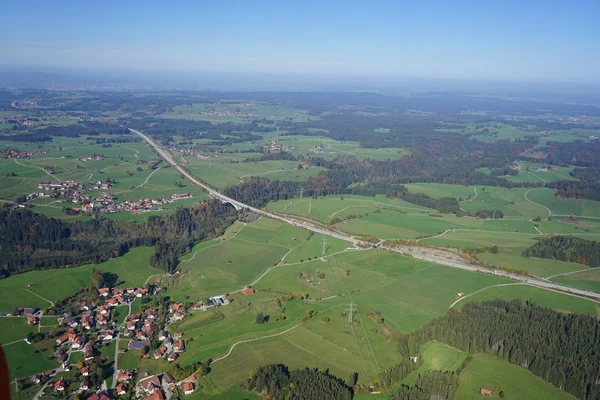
column 535, row 42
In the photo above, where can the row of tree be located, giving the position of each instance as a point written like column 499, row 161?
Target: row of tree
column 563, row 349
column 277, row 382
column 31, row 241
column 566, row 248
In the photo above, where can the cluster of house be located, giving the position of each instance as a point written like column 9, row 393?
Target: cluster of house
column 320, row 149
column 103, row 202
column 106, row 203
column 16, row 153
column 592, row 137
column 274, row 145
column 13, row 119
column 161, row 386
column 226, row 113
column 90, row 158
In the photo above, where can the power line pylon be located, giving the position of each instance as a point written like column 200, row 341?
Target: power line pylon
column 350, row 311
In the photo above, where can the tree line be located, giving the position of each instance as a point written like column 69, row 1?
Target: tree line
column 566, row 248
column 277, row 382
column 563, row 349
column 30, row 241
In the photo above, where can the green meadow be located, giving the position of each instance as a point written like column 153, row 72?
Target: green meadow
column 133, row 269
column 541, row 297
column 493, row 373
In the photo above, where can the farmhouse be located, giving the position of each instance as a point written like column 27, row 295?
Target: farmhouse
column 188, row 387
column 150, row 384
column 248, row 291
column 62, row 339
column 123, row 376
column 485, row 392
column 59, row 386
column 101, row 395
column 32, row 320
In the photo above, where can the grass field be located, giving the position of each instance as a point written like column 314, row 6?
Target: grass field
column 541, row 297
column 437, row 356
column 589, row 279
column 24, row 360
column 325, row 208
column 133, row 269
column 16, row 328
column 222, row 172
column 517, row 383
column 529, row 173
column 120, row 162
column 565, row 206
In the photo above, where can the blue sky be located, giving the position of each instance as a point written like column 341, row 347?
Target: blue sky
column 503, row 40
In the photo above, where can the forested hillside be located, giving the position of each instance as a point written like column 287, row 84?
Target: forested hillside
column 277, row 382
column 31, row 241
column 567, row 248
column 563, row 349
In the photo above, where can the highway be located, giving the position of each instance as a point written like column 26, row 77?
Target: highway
column 402, row 250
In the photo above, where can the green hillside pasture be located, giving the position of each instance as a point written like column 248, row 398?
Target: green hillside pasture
column 133, row 268
column 437, row 190
column 564, row 206
column 512, row 257
column 233, row 392
column 554, row 174
column 155, row 184
column 25, row 182
column 408, row 292
column 225, row 267
column 118, row 159
column 216, row 330
column 325, row 208
column 25, row 360
column 499, row 131
column 496, row 198
column 341, row 349
column 510, row 246
column 16, row 328
column 389, row 224
column 545, row 298
column 222, row 175
column 231, row 264
column 437, row 356
column 316, row 246
column 589, row 280
column 229, row 232
column 565, row 225
column 517, row 383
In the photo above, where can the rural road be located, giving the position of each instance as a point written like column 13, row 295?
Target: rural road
column 115, row 366
column 338, row 235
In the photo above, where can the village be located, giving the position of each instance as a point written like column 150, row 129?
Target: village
column 89, row 322
column 19, row 154
column 104, row 202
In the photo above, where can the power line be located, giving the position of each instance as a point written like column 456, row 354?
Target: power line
column 324, row 243
column 351, row 311
column 301, row 192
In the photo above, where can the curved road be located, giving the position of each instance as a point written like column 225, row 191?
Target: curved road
column 302, row 223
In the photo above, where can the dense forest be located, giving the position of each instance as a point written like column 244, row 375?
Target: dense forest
column 277, row 382
column 563, row 349
column 31, row 241
column 566, row 248
column 430, row 385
